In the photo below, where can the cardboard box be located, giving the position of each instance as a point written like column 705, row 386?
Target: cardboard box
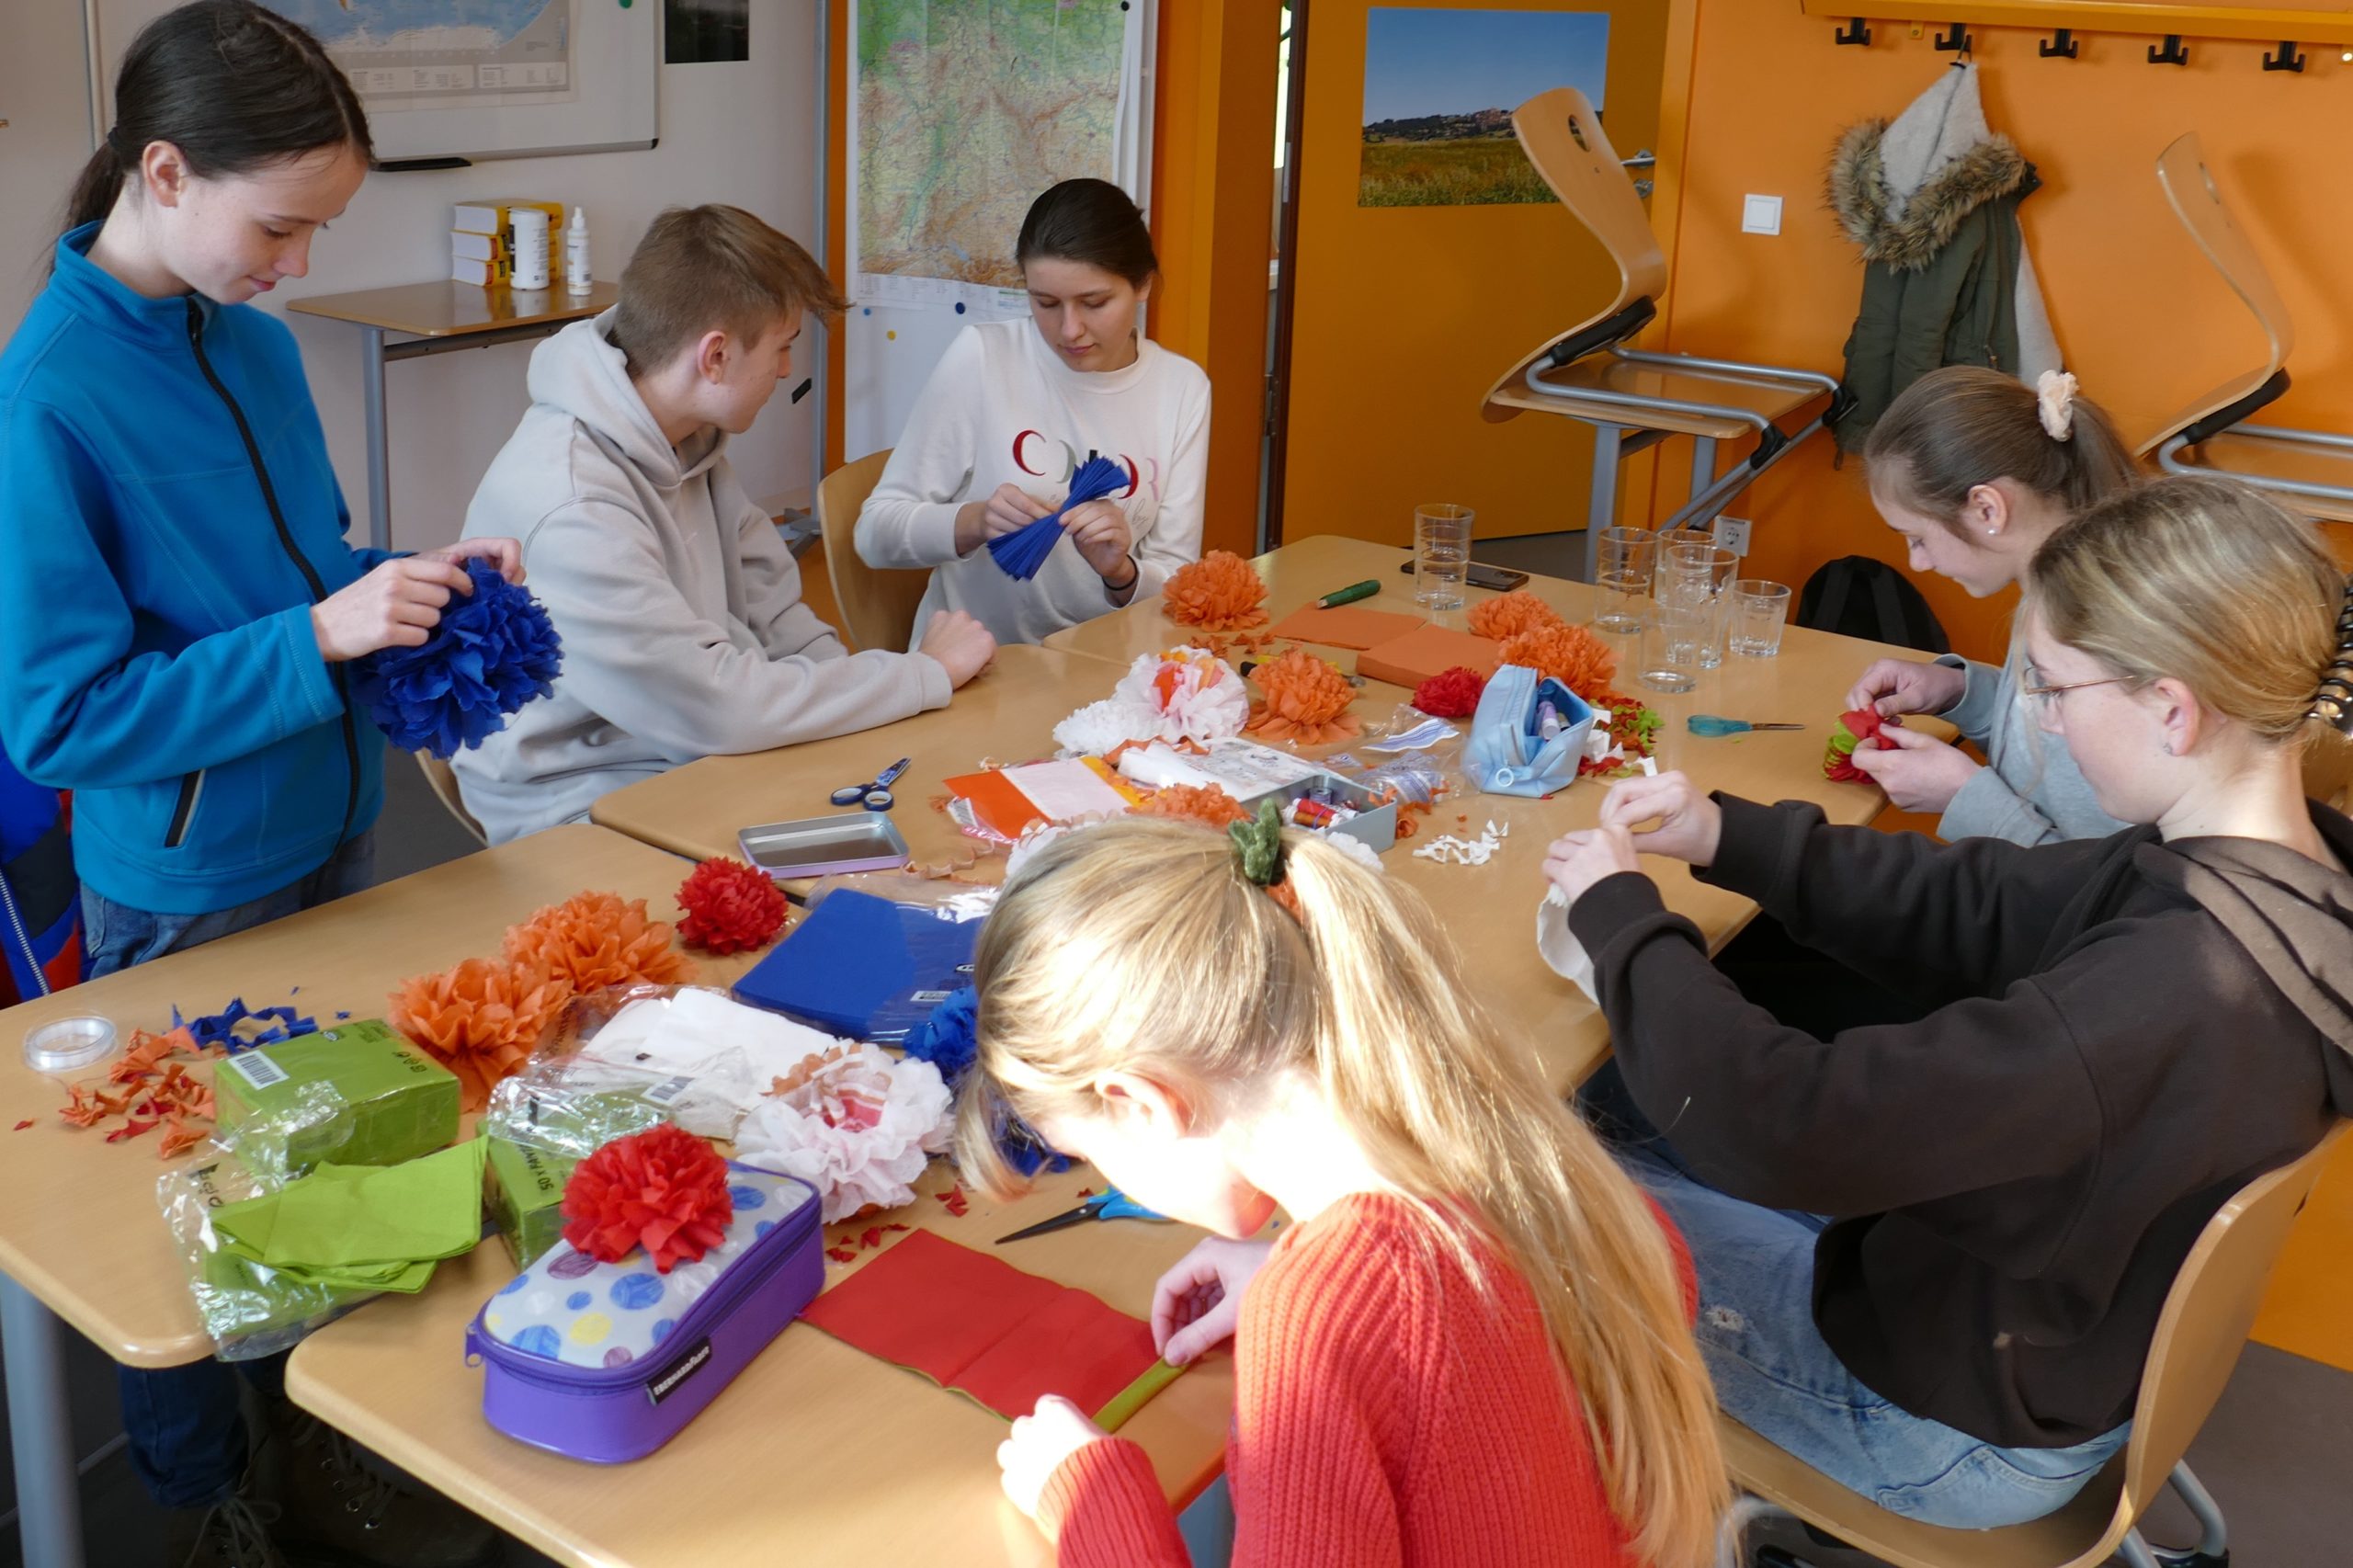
column 523, row 1195
column 398, row 1104
column 494, row 214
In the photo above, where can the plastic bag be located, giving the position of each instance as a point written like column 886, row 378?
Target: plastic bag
column 248, row 1308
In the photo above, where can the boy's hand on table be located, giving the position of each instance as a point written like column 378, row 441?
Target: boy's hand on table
column 963, row 646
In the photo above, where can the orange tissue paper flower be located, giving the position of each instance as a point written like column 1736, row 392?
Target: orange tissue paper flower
column 1220, row 592
column 1510, row 614
column 1307, row 701
column 595, row 939
column 730, row 907
column 664, row 1189
column 1570, row 655
column 1203, row 803
column 480, row 1019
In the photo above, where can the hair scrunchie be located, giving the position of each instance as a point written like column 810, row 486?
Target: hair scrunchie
column 2054, row 399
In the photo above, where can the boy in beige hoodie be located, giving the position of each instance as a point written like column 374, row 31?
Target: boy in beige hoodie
column 679, row 605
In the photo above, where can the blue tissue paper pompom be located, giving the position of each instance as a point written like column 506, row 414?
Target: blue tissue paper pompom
column 1023, row 552
column 494, row 651
column 947, row 1039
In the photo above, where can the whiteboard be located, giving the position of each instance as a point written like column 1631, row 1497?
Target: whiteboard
column 464, row 78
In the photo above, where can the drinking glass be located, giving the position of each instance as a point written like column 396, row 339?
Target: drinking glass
column 1673, row 631
column 1441, row 554
column 1759, row 610
column 1700, row 574
column 1624, row 561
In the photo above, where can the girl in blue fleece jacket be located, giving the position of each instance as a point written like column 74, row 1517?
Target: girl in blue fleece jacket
column 177, row 606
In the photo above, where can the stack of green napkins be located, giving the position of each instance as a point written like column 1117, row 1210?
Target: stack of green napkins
column 362, row 1228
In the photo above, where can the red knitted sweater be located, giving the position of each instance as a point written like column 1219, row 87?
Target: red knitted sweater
column 1386, row 1412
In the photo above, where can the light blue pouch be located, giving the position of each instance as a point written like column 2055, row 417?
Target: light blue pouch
column 1507, row 754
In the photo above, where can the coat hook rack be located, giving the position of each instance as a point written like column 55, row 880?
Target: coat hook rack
column 2172, row 54
column 2285, row 60
column 1954, row 39
column 2060, row 45
column 1859, row 32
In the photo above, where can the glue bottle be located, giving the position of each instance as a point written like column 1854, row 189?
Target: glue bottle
column 575, row 254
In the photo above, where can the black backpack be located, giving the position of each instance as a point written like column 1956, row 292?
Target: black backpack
column 1857, row 596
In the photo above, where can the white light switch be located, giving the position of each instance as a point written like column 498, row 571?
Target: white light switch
column 1760, row 215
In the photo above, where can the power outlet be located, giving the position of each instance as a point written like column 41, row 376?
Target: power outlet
column 1731, row 533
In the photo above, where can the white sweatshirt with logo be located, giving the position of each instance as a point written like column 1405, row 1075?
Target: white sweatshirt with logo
column 1004, row 408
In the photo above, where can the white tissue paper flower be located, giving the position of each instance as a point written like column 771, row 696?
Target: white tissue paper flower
column 854, row 1122
column 1105, row 726
column 1185, row 694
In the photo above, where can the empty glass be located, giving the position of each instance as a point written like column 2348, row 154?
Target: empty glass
column 1701, row 574
column 1673, row 631
column 1441, row 554
column 1624, row 560
column 1759, row 610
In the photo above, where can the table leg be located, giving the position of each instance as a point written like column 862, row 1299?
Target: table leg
column 1602, row 511
column 380, row 480
column 40, row 1431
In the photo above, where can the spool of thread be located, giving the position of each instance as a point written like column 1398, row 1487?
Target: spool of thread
column 531, row 226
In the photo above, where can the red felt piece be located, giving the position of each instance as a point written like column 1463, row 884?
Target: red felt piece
column 975, row 1324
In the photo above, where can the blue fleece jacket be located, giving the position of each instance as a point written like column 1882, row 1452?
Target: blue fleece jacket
column 167, row 518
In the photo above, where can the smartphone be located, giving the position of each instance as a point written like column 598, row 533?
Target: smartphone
column 1500, row 578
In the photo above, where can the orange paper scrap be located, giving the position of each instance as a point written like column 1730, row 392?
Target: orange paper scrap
column 1349, row 626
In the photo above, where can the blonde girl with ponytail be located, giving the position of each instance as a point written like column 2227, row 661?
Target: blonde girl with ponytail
column 1473, row 1328
column 1975, row 469
column 1932, row 1254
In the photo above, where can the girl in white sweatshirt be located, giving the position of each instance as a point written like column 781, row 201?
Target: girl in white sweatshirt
column 1014, row 409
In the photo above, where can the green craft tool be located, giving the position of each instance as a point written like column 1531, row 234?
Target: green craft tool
column 1709, row 724
column 1350, row 595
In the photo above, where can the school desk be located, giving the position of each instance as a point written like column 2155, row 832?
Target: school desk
column 84, row 1239
column 437, row 318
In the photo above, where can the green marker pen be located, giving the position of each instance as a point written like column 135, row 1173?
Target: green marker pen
column 1350, row 595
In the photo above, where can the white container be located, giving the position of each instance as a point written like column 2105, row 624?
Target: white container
column 531, row 247
column 575, row 254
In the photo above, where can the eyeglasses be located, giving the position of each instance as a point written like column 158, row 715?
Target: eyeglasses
column 2043, row 694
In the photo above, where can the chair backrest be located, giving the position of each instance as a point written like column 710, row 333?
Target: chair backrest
column 442, row 780
column 878, row 605
column 2208, row 1313
column 2189, row 187
column 1562, row 138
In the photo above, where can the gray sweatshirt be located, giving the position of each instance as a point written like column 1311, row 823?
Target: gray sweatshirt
column 2032, row 792
column 677, row 603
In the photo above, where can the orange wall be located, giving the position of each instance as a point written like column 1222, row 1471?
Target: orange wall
column 1405, row 316
column 2141, row 317
column 1212, row 190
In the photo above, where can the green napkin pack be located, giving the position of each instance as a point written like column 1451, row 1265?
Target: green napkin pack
column 524, row 1196
column 397, row 1104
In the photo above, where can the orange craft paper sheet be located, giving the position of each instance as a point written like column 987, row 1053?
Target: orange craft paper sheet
column 1345, row 627
column 1425, row 652
column 1001, row 806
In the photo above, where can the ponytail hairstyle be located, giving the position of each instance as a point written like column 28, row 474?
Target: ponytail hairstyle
column 233, row 86
column 1148, row 946
column 2204, row 580
column 1960, row 427
column 1088, row 221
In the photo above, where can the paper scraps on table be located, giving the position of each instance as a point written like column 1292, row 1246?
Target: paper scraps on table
column 595, row 939
column 1852, row 731
column 664, row 1189
column 854, row 1122
column 730, row 907
column 1307, row 701
column 1204, row 803
column 226, row 1029
column 1507, row 615
column 1021, row 553
column 974, row 1324
column 494, row 651
column 152, row 1088
column 1619, row 744
column 1184, row 694
column 1220, row 592
column 1447, row 849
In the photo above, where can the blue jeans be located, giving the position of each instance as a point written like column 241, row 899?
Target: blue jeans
column 1776, row 1375
column 185, row 1433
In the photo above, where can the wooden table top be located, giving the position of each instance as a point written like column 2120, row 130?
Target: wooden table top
column 83, row 1232
column 1006, row 714
column 817, row 1453
column 451, row 309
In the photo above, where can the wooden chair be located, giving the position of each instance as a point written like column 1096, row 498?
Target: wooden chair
column 878, row 606
column 442, row 780
column 2200, row 1334
column 2306, row 470
column 1632, row 399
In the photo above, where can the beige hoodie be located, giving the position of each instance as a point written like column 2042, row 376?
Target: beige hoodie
column 677, row 603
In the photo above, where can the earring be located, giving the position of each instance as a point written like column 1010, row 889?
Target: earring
column 2168, row 748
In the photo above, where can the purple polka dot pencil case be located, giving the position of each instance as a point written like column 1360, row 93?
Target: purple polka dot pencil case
column 607, row 1361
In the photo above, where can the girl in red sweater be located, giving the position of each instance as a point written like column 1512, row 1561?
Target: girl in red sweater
column 1472, row 1346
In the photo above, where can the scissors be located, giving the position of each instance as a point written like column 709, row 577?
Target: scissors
column 1109, row 1204
column 876, row 797
column 1709, row 724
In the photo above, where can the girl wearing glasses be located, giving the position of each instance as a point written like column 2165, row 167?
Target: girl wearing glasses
column 1975, row 469
column 1932, row 1255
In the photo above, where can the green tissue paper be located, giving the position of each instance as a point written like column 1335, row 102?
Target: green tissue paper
column 397, row 1104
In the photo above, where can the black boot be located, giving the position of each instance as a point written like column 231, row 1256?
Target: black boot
column 234, row 1533
column 339, row 1509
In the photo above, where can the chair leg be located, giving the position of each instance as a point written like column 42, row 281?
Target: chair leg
column 2134, row 1552
column 2213, row 1539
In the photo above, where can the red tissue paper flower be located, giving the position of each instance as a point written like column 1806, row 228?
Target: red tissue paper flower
column 1450, row 694
column 730, row 907
column 664, row 1189
column 1852, row 732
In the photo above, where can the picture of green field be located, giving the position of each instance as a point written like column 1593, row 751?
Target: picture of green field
column 1481, row 171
